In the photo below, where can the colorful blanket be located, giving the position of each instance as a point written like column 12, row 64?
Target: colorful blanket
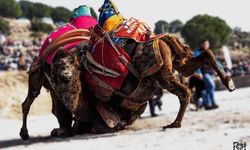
column 82, row 22
column 134, row 29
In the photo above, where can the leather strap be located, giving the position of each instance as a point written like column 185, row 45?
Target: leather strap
column 124, row 59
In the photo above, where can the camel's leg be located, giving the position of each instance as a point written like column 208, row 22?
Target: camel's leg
column 169, row 82
column 206, row 57
column 63, row 116
column 36, row 79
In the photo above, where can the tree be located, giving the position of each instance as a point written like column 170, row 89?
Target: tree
column 214, row 29
column 61, row 14
column 93, row 13
column 41, row 10
column 9, row 9
column 4, row 27
column 27, row 9
column 175, row 26
column 34, row 10
column 38, row 26
column 161, row 27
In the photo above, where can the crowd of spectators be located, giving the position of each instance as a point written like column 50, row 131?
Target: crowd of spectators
column 18, row 55
column 240, row 67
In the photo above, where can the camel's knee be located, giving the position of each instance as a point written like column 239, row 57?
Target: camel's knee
column 184, row 96
column 187, row 96
column 35, row 93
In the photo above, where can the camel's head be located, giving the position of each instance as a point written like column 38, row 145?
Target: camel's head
column 109, row 17
column 65, row 66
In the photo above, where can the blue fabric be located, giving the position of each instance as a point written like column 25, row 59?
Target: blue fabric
column 81, row 11
column 196, row 54
column 108, row 10
column 219, row 64
column 210, row 90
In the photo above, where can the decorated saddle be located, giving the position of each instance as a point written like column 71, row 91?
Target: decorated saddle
column 81, row 19
column 133, row 29
column 112, row 69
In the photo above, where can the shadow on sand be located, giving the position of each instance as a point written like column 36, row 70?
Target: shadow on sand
column 48, row 139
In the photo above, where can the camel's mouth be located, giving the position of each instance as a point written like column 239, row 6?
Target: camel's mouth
column 66, row 74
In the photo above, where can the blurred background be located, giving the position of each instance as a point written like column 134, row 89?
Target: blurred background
column 25, row 24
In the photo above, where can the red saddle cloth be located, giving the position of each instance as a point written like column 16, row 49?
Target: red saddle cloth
column 105, row 54
column 134, row 29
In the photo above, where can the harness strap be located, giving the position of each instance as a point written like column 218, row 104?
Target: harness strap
column 124, row 59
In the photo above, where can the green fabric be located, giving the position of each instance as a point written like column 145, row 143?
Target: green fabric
column 81, row 11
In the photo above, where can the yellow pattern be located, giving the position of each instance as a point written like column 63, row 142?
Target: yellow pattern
column 112, row 22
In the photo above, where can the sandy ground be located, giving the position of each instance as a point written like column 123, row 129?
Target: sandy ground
column 13, row 91
column 203, row 130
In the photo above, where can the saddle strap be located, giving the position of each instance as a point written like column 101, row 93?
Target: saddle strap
column 124, row 59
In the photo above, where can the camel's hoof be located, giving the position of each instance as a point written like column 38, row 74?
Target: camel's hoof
column 173, row 125
column 61, row 132
column 231, row 86
column 24, row 134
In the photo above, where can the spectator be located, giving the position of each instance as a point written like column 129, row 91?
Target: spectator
column 155, row 101
column 17, row 55
column 197, row 86
column 21, row 63
column 206, row 73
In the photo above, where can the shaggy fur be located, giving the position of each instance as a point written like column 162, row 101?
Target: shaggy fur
column 66, row 93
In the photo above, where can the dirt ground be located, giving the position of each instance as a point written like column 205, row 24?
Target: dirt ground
column 13, row 91
column 203, row 130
